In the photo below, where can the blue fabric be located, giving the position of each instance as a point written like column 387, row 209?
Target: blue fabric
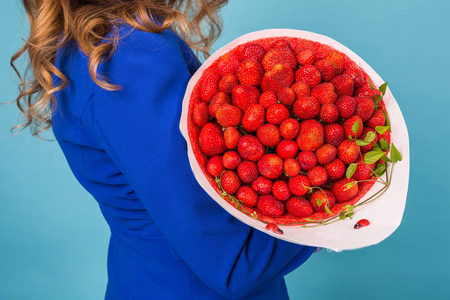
column 169, row 239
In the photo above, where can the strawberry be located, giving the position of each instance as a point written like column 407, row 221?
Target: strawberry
column 253, row 117
column 322, row 50
column 366, row 91
column 250, row 148
column 267, row 99
column 306, row 107
column 343, row 85
column 334, row 134
column 289, row 128
column 308, row 74
column 345, row 189
column 287, row 149
column 337, row 59
column 301, row 89
column 228, row 64
column 250, row 72
column 231, row 160
column 326, row 69
column 335, row 169
column 377, row 119
column 231, row 136
column 311, row 135
column 279, row 56
column 286, row 96
column 299, row 185
column 247, row 171
column 253, row 51
column 214, row 166
column 280, row 190
column 228, row 83
column 324, row 197
column 317, row 176
column 291, row 167
column 329, row 113
column 304, row 44
column 363, row 171
column 326, row 154
column 352, row 69
column 262, row 185
column 305, row 57
column 230, row 182
column 325, row 93
column 348, row 151
column 281, row 43
column 270, row 166
column 386, row 136
column 268, row 205
column 269, row 135
column 369, row 147
column 209, row 87
column 211, row 139
column 217, row 101
column 364, row 108
column 299, row 207
column 278, row 77
column 348, row 127
column 201, row 114
column 229, row 115
column 276, row 114
column 307, row 160
column 346, row 106
column 247, row 195
column 243, row 96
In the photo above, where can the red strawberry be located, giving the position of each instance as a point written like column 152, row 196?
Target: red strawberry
column 253, row 51
column 317, row 176
column 217, row 101
column 262, row 185
column 228, row 64
column 348, row 127
column 280, row 190
column 231, row 160
column 267, row 99
column 326, row 154
column 229, row 115
column 247, row 171
column 325, row 93
column 201, row 114
column 281, row 43
column 386, row 136
column 352, row 69
column 329, row 113
column 304, row 44
column 211, row 139
column 363, row 171
column 364, row 108
column 214, row 166
column 308, row 74
column 334, row 134
column 306, row 57
column 279, row 56
column 311, row 135
column 250, row 148
column 306, row 107
column 228, row 83
column 348, row 151
column 278, row 77
column 326, row 69
column 346, row 106
column 299, row 207
column 250, row 72
column 270, row 166
column 299, row 185
column 253, row 117
column 243, row 96
column 287, row 149
column 307, row 160
column 268, row 205
column 210, row 87
column 366, row 91
column 301, row 89
column 291, row 167
column 369, row 147
column 231, row 136
column 276, row 114
column 377, row 119
column 345, row 189
column 230, row 182
column 286, row 96
column 338, row 61
column 335, row 169
column 248, row 196
column 322, row 50
column 343, row 85
column 289, row 128
column 268, row 135
column 324, row 197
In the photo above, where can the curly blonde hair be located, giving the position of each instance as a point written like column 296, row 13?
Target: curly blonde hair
column 53, row 23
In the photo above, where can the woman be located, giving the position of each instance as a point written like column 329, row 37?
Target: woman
column 108, row 76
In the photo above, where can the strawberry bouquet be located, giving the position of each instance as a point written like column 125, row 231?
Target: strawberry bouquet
column 290, row 131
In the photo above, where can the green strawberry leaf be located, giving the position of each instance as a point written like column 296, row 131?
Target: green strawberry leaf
column 327, row 209
column 386, row 159
column 384, row 144
column 387, row 120
column 372, row 157
column 342, row 215
column 349, row 185
column 383, row 87
column 395, row 154
column 319, row 202
column 362, row 143
column 309, row 220
column 350, row 170
column 349, row 209
column 376, row 147
column 355, row 127
column 350, row 137
column 371, row 85
column 380, row 169
column 370, row 136
column 381, row 129
column 375, row 102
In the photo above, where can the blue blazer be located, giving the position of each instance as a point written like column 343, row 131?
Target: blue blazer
column 169, row 239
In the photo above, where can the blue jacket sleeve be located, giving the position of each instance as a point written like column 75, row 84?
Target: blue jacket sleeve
column 139, row 128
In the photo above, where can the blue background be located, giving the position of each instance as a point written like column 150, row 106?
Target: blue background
column 53, row 239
